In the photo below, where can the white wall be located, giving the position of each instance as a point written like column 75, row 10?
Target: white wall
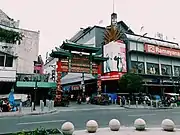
column 28, row 52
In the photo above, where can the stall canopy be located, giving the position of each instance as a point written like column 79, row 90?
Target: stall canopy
column 75, row 77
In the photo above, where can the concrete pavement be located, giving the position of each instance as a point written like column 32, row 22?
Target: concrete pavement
column 129, row 131
column 27, row 111
column 79, row 117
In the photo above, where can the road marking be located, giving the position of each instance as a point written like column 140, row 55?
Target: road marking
column 88, row 109
column 140, row 115
column 40, row 122
column 176, row 112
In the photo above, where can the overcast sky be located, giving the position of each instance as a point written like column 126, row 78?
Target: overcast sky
column 58, row 20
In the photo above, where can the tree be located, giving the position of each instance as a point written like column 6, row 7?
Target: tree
column 131, row 83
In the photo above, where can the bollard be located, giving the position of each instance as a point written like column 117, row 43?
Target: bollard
column 67, row 128
column 151, row 104
column 156, row 104
column 32, row 106
column 115, row 101
column 52, row 104
column 49, row 106
column 114, row 125
column 20, row 107
column 125, row 102
column 47, row 102
column 42, row 109
column 129, row 103
column 41, row 105
column 144, row 104
column 136, row 104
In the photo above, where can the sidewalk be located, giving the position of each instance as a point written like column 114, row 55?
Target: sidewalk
column 27, row 111
column 129, row 131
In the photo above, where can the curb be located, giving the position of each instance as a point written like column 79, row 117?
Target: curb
column 18, row 114
column 149, row 108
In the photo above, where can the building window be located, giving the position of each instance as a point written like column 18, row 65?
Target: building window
column 137, row 67
column 2, row 61
column 176, row 70
column 37, row 71
column 9, row 61
column 166, row 69
column 152, row 68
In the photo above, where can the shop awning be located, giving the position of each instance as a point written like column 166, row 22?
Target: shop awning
column 75, row 77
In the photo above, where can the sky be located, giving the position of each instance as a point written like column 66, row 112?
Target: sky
column 59, row 20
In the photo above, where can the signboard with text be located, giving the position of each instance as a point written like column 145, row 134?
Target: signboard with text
column 112, row 76
column 162, row 50
column 78, row 64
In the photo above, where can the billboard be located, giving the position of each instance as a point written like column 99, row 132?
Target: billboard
column 116, row 54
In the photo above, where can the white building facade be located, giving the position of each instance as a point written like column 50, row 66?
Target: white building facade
column 26, row 52
column 16, row 58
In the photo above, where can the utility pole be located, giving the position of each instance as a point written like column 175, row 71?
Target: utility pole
column 35, row 89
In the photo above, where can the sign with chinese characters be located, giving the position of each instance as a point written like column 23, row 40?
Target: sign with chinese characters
column 78, row 64
column 161, row 50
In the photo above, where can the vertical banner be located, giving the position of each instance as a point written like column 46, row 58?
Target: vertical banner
column 58, row 90
column 99, row 79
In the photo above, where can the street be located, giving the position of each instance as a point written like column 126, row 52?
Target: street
column 79, row 115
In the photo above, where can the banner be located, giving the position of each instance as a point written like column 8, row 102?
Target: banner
column 116, row 54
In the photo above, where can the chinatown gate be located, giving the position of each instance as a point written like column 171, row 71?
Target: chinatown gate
column 77, row 58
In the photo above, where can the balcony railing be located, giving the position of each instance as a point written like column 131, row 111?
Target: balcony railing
column 33, row 77
column 8, row 48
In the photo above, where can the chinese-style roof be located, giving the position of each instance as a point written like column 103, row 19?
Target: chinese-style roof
column 59, row 54
column 100, row 59
column 79, row 47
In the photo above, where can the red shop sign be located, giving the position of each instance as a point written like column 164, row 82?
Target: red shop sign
column 162, row 50
column 111, row 76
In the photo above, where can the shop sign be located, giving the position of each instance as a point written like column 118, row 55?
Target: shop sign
column 112, row 76
column 78, row 64
column 75, row 87
column 162, row 50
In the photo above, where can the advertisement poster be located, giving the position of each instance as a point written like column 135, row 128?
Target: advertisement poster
column 116, row 54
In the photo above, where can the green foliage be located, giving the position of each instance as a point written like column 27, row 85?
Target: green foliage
column 41, row 131
column 9, row 36
column 131, row 82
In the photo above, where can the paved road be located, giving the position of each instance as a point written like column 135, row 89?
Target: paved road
column 79, row 115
